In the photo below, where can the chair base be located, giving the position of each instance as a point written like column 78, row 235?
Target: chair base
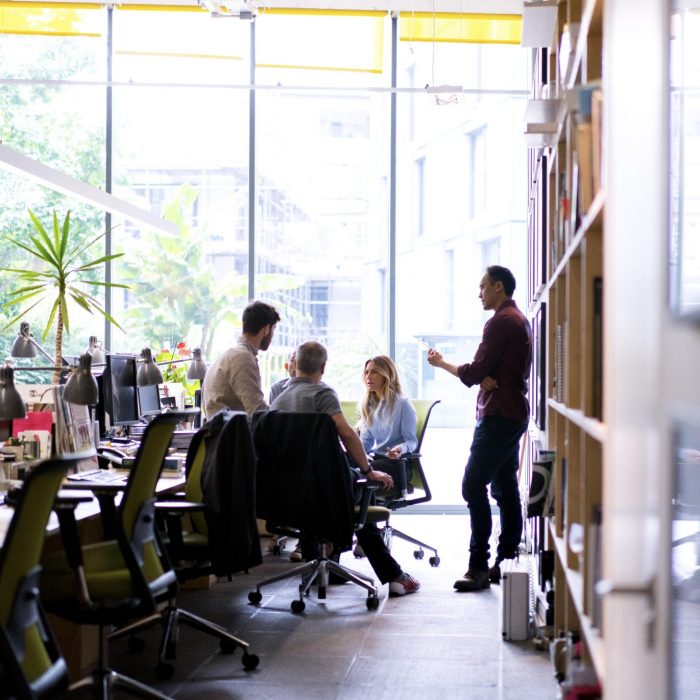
column 170, row 617
column 103, row 682
column 317, row 571
column 389, row 532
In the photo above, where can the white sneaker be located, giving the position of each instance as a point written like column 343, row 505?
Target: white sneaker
column 403, row 585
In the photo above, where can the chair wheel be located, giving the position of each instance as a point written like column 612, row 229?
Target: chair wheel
column 434, row 561
column 227, row 646
column 165, row 671
column 298, row 606
column 250, row 661
column 372, row 603
column 170, row 649
column 255, row 597
column 136, row 645
column 322, row 592
column 419, row 554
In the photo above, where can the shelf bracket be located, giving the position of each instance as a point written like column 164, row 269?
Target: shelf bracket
column 646, row 589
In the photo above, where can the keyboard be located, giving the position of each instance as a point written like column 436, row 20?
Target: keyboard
column 102, row 476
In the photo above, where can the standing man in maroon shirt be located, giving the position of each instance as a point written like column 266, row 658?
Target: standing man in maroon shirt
column 501, row 367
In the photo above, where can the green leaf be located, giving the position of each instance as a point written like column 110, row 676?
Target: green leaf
column 49, row 323
column 21, row 314
column 64, row 236
column 20, row 300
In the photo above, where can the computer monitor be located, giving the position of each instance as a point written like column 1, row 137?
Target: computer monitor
column 149, row 400
column 120, row 389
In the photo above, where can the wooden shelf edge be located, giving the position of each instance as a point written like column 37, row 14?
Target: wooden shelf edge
column 591, row 426
column 586, row 19
column 588, row 218
column 574, row 582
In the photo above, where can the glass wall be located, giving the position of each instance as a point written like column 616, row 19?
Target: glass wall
column 181, row 134
column 461, row 205
column 322, row 155
column 316, row 162
column 51, row 111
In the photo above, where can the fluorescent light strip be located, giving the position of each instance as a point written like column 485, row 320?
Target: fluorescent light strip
column 58, row 181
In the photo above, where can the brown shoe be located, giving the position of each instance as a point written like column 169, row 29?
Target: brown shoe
column 473, row 580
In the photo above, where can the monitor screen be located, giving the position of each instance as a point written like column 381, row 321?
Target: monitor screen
column 149, row 400
column 121, row 398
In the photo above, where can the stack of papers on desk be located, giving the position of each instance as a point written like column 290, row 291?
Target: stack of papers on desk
column 181, row 439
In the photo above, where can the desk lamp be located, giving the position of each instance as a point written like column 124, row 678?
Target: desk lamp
column 148, row 371
column 81, row 387
column 197, row 368
column 11, row 404
column 95, row 351
column 26, row 346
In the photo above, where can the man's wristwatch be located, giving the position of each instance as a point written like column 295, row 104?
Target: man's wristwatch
column 365, row 473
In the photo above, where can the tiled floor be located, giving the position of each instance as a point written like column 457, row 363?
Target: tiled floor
column 434, row 644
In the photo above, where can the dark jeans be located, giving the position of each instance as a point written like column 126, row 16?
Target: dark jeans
column 493, row 460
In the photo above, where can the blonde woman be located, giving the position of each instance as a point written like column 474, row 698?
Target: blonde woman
column 388, row 419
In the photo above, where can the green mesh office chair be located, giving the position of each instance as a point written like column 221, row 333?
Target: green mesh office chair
column 123, row 577
column 418, row 490
column 188, row 543
column 31, row 663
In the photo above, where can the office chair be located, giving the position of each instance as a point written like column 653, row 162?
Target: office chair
column 123, row 577
column 31, row 663
column 192, row 546
column 418, row 490
column 304, row 489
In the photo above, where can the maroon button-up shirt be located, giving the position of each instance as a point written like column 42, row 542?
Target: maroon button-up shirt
column 505, row 353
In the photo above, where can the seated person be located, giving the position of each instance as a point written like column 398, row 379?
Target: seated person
column 388, row 419
column 305, row 393
column 278, row 387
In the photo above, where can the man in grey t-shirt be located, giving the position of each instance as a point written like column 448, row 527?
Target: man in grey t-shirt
column 306, row 393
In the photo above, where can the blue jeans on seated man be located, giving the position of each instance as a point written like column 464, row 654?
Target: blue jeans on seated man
column 493, row 460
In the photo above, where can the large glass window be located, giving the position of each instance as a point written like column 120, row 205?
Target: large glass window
column 181, row 93
column 321, row 157
column 461, row 202
column 181, row 133
column 52, row 112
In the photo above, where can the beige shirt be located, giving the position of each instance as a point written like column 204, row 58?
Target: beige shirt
column 233, row 381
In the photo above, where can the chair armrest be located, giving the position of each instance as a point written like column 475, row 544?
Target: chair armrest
column 169, row 517
column 65, row 504
column 368, row 489
column 179, row 507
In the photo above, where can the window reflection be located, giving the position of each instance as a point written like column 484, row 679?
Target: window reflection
column 685, row 563
column 685, row 161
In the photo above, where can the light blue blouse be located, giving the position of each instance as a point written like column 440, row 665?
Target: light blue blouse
column 391, row 428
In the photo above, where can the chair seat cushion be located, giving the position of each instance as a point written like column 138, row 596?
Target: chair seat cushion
column 106, row 574
column 375, row 514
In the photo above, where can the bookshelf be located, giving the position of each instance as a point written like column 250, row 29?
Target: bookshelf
column 566, row 230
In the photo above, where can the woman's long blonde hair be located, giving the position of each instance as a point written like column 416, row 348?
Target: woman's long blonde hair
column 391, row 389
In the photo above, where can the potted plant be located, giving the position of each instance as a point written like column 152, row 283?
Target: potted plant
column 59, row 280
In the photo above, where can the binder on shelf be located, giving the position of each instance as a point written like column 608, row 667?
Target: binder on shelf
column 596, row 138
column 584, row 149
column 597, row 350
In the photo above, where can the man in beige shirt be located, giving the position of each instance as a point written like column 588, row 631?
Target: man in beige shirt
column 233, row 380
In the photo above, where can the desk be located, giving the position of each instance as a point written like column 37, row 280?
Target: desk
column 79, row 643
column 84, row 511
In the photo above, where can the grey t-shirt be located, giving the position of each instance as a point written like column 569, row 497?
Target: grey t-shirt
column 301, row 396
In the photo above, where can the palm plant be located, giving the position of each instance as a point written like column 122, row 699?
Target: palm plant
column 57, row 281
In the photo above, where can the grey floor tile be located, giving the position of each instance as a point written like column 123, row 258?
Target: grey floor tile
column 434, row 644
